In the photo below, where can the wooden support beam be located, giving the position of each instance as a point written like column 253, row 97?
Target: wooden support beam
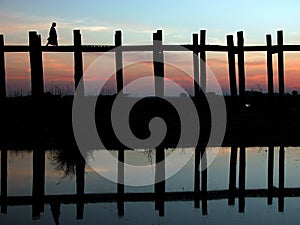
column 203, row 60
column 280, row 62
column 158, row 64
column 2, row 69
column 119, row 61
column 231, row 66
column 196, row 65
column 78, row 63
column 241, row 63
column 36, row 64
column 270, row 65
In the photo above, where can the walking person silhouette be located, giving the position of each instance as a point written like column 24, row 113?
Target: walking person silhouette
column 52, row 39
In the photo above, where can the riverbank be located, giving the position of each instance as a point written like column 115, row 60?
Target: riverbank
column 48, row 121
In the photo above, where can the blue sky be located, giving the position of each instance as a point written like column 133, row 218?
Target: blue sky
column 137, row 19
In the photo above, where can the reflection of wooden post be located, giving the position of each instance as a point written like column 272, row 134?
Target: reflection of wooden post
column 280, row 62
column 78, row 63
column 158, row 64
column 231, row 66
column 270, row 65
column 2, row 69
column 55, row 209
column 3, row 181
column 242, row 179
column 232, row 175
column 270, row 174
column 281, row 180
column 36, row 64
column 196, row 66
column 241, row 63
column 203, row 61
column 120, row 188
column 80, row 175
column 38, row 182
column 204, row 180
column 197, row 177
column 160, row 185
column 119, row 61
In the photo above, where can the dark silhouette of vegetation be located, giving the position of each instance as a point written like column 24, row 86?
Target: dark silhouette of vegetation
column 28, row 122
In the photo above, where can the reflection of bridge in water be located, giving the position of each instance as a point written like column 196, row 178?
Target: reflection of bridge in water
column 160, row 196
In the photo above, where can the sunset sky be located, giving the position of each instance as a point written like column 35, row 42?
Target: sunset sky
column 98, row 20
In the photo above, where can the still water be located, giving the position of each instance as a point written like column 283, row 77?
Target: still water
column 139, row 204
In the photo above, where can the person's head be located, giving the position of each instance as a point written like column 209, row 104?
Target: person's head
column 53, row 24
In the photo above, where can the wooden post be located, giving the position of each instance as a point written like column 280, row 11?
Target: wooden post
column 36, row 64
column 231, row 66
column 78, row 63
column 197, row 177
column 3, row 181
column 120, row 188
column 160, row 184
column 270, row 174
column 203, row 60
column 281, row 179
column 119, row 61
column 242, row 179
column 80, row 183
column 196, row 66
column 2, row 69
column 232, row 175
column 38, row 182
column 280, row 62
column 204, row 180
column 241, row 63
column 270, row 65
column 158, row 63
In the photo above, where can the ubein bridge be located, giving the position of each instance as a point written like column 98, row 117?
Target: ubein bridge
column 35, row 50
column 200, row 194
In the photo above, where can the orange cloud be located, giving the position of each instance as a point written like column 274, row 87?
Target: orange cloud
column 58, row 70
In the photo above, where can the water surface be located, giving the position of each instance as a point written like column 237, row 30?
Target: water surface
column 61, row 180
